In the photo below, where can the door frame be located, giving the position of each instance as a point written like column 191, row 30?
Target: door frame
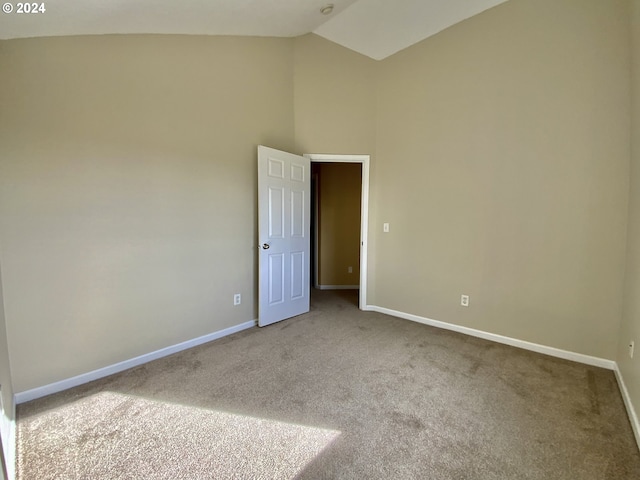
column 364, row 210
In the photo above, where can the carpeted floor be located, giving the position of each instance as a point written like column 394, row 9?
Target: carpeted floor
column 336, row 393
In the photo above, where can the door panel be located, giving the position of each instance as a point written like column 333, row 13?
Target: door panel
column 276, row 213
column 297, row 275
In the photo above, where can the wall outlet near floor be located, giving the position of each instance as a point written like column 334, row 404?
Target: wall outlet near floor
column 631, row 347
column 237, row 299
column 349, row 269
column 464, row 300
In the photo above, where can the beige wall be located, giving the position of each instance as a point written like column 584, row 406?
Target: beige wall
column 334, row 98
column 502, row 161
column 630, row 368
column 128, row 191
column 339, row 191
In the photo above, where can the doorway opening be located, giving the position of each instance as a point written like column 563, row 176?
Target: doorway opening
column 340, row 211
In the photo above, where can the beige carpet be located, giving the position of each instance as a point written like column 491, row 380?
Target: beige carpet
column 336, row 393
column 111, row 435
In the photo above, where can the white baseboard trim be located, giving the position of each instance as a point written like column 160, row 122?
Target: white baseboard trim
column 55, row 387
column 337, row 287
column 633, row 417
column 514, row 342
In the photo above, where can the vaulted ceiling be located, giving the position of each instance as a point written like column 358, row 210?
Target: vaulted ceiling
column 376, row 28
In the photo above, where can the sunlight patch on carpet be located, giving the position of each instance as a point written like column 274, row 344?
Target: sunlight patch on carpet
column 112, row 435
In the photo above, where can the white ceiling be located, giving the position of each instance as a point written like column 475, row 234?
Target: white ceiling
column 376, row 28
column 379, row 28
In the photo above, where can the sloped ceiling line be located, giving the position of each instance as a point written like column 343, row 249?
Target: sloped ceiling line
column 375, row 28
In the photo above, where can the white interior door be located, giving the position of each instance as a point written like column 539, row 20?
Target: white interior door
column 284, row 207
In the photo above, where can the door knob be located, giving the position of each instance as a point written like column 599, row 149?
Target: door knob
column 265, row 246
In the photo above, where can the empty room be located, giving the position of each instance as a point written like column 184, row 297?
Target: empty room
column 187, row 293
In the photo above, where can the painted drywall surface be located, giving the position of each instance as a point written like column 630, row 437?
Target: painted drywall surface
column 502, row 163
column 335, row 110
column 339, row 192
column 128, row 181
column 630, row 329
column 5, row 379
column 334, row 97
